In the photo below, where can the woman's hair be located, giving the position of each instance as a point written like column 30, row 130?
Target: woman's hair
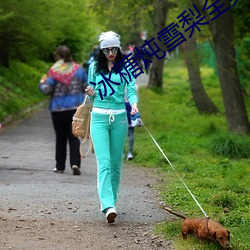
column 63, row 52
column 101, row 64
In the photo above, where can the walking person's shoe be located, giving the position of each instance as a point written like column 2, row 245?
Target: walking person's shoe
column 76, row 170
column 111, row 214
column 58, row 171
column 130, row 156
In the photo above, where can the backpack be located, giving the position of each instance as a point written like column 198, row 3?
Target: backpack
column 81, row 126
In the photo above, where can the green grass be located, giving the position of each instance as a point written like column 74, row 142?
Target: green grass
column 214, row 164
column 19, row 88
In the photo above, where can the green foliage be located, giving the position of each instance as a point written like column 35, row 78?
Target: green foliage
column 219, row 183
column 241, row 19
column 135, row 17
column 28, row 33
column 243, row 61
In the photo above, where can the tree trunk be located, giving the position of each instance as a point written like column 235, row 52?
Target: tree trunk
column 201, row 99
column 235, row 109
column 156, row 72
column 233, row 98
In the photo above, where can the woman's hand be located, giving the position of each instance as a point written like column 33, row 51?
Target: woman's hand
column 90, row 91
column 43, row 79
column 134, row 109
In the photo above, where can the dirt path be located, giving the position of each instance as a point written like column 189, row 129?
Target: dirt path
column 43, row 210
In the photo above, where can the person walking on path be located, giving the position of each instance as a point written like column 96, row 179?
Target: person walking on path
column 109, row 125
column 65, row 83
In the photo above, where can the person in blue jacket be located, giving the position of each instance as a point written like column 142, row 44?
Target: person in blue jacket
column 109, row 124
column 65, row 83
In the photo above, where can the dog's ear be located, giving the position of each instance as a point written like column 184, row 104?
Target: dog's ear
column 228, row 237
column 214, row 235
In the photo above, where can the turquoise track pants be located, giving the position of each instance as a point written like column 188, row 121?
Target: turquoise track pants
column 108, row 136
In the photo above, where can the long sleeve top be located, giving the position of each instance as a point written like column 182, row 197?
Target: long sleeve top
column 109, row 94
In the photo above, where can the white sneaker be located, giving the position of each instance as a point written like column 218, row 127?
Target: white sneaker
column 130, row 156
column 111, row 214
column 76, row 170
column 58, row 171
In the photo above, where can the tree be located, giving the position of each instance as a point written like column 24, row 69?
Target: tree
column 28, row 33
column 233, row 98
column 201, row 99
column 192, row 58
column 156, row 72
column 128, row 20
column 23, row 33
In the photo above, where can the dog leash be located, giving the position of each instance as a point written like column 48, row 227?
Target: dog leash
column 174, row 169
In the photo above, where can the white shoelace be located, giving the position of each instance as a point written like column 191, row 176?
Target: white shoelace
column 111, row 117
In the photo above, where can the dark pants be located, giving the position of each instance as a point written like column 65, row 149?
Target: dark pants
column 62, row 122
column 130, row 139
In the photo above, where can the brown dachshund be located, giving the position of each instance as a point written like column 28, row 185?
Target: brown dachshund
column 204, row 229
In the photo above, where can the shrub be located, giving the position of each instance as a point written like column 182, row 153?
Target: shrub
column 231, row 146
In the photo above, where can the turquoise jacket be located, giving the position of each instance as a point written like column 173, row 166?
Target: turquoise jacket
column 110, row 95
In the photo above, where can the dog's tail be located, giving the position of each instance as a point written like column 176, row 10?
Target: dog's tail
column 175, row 213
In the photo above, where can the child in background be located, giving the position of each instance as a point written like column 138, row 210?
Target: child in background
column 130, row 133
column 130, row 129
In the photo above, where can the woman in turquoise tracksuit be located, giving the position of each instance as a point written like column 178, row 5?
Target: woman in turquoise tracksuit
column 109, row 123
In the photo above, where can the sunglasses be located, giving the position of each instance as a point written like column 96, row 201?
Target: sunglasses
column 106, row 51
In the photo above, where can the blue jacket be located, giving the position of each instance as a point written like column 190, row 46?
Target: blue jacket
column 65, row 97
